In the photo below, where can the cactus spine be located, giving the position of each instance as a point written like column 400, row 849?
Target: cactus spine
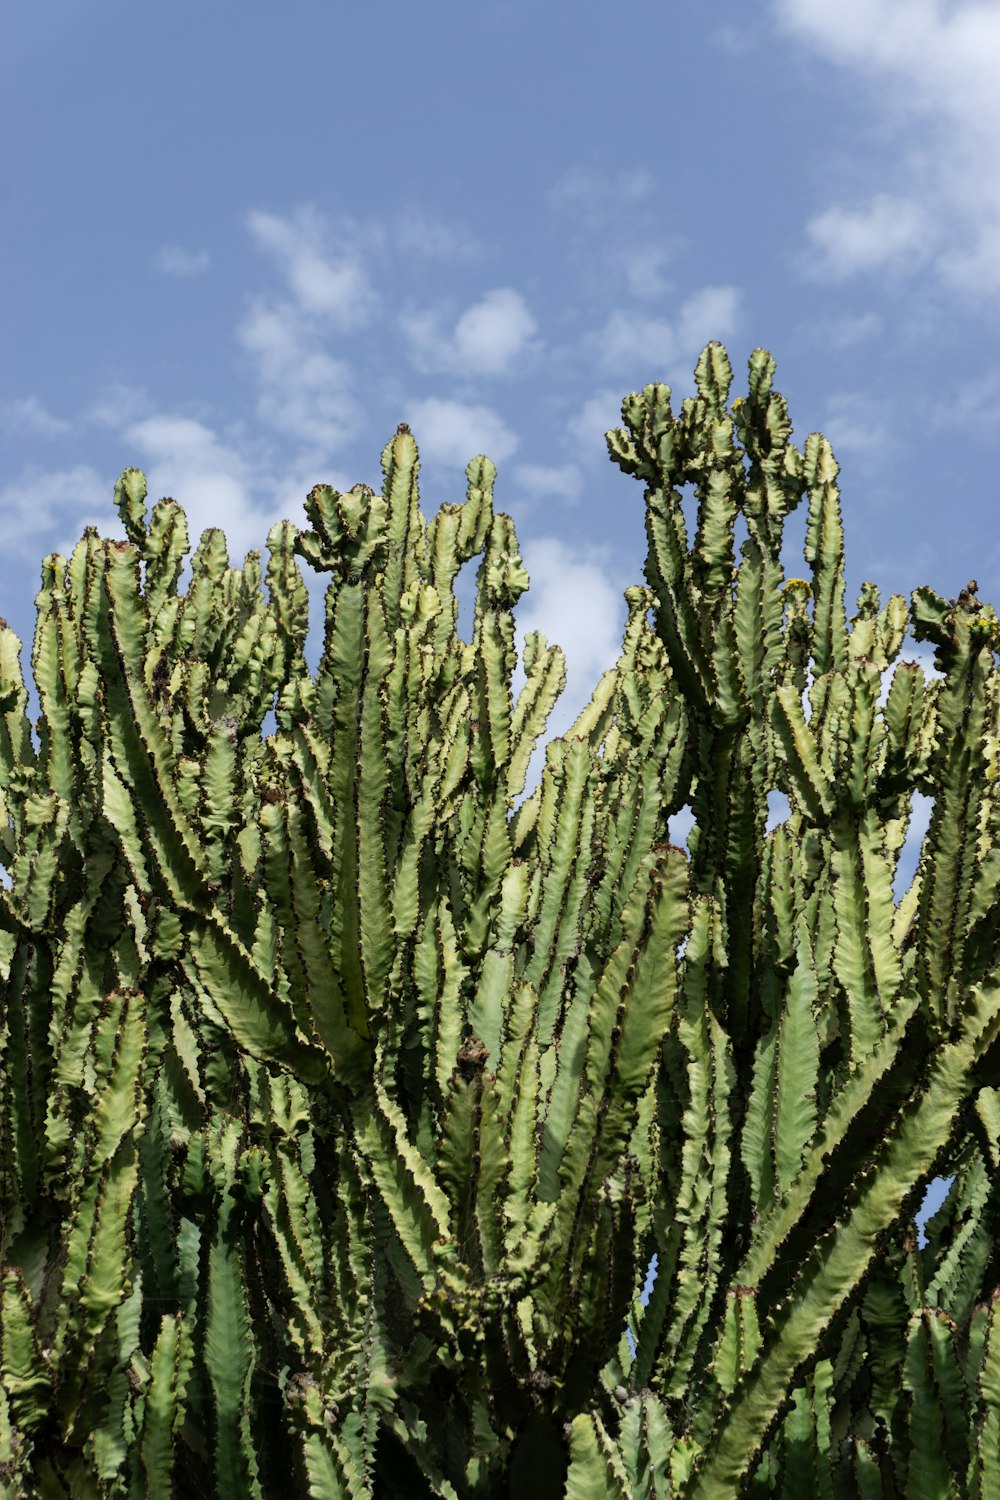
column 343, row 1105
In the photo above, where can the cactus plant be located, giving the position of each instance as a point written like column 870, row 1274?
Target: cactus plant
column 344, row 1098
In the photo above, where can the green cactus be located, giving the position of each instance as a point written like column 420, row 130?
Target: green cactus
column 343, row 1101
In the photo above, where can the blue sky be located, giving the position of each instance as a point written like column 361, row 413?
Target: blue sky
column 245, row 241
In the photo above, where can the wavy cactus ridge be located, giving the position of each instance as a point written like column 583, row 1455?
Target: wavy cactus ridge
column 346, row 1091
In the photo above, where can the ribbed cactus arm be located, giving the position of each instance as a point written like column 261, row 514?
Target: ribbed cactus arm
column 170, row 1373
column 26, row 1373
column 417, row 1206
column 652, row 448
column 545, row 678
column 139, row 745
column 16, row 748
column 405, row 532
column 840, row 1261
column 568, row 828
column 93, row 1283
column 824, row 552
column 952, row 889
column 598, row 1085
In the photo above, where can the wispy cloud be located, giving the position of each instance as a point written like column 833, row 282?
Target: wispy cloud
column 950, row 49
column 970, row 407
column 641, row 268
column 630, row 341
column 844, row 331
column 564, row 483
column 737, row 40
column 593, row 198
column 117, row 404
column 415, row 231
column 572, row 602
column 630, row 338
column 171, row 260
column 887, row 233
column 598, row 414
column 488, row 338
column 453, row 432
column 40, row 500
column 713, row 312
column 575, row 605
column 615, row 231
column 854, row 424
column 215, row 485
column 336, row 287
column 934, row 70
column 303, row 392
column 27, row 415
column 217, row 482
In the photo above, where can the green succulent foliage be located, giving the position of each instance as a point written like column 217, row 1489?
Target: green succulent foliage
column 346, row 1092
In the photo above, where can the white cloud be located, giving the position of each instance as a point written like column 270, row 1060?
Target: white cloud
column 213, row 483
column 845, row 330
column 971, row 406
column 736, row 40
column 453, row 432
column 486, row 340
column 165, row 436
column 951, row 50
column 537, row 479
column 597, row 416
column 411, row 229
column 41, row 499
column 711, row 313
column 304, row 392
column 630, row 340
column 853, row 425
column 173, row 261
column 573, row 603
column 642, row 267
column 26, row 414
column 334, row 288
column 887, row 232
column 216, row 483
column 117, row 405
column 489, row 335
column 933, row 68
column 593, row 199
column 614, row 226
column 181, row 457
